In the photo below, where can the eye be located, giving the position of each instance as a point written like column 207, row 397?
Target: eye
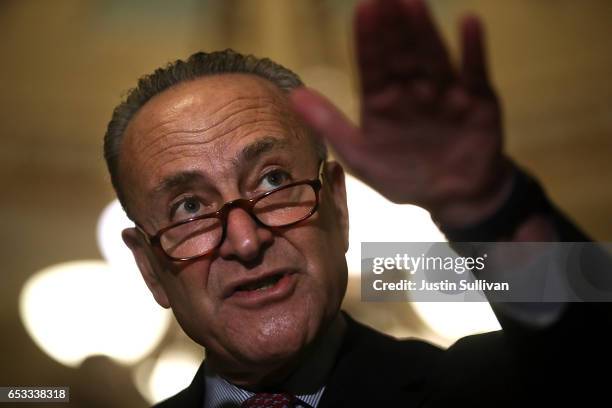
column 274, row 179
column 187, row 208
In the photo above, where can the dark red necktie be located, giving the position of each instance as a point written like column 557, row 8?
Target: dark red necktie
column 269, row 400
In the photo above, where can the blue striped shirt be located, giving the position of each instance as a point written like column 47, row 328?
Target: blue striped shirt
column 223, row 394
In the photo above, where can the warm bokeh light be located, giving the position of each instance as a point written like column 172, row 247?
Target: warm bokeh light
column 172, row 371
column 78, row 309
column 453, row 320
column 81, row 308
column 373, row 218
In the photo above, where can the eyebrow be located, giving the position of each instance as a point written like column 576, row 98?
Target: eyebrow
column 247, row 155
column 258, row 148
column 174, row 181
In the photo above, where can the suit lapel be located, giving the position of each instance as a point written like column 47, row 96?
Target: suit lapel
column 373, row 369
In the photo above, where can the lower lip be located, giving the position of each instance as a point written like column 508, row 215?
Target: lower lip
column 281, row 290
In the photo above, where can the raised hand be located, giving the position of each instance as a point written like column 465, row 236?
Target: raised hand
column 430, row 133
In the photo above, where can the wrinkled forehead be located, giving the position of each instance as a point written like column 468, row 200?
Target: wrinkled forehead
column 209, row 119
column 216, row 110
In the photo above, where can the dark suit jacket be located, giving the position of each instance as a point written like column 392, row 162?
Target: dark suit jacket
column 375, row 370
column 366, row 360
column 513, row 367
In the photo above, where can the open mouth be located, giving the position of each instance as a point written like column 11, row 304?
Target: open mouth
column 272, row 287
column 261, row 284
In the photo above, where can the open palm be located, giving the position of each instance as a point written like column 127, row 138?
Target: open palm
column 430, row 133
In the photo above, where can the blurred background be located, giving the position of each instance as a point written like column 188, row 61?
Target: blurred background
column 71, row 311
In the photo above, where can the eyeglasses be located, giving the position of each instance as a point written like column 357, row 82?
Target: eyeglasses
column 198, row 236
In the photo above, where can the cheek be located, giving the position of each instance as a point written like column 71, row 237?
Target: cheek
column 334, row 262
column 323, row 251
column 190, row 291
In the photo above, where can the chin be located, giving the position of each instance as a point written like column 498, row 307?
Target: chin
column 278, row 338
column 273, row 338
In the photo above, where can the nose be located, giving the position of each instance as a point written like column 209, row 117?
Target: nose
column 244, row 238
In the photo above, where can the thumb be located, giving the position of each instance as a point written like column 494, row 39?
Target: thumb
column 327, row 121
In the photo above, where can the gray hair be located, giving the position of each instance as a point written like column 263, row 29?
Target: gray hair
column 197, row 65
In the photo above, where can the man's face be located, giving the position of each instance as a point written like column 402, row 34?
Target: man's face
column 209, row 141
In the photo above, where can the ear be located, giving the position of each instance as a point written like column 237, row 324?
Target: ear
column 145, row 260
column 336, row 183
